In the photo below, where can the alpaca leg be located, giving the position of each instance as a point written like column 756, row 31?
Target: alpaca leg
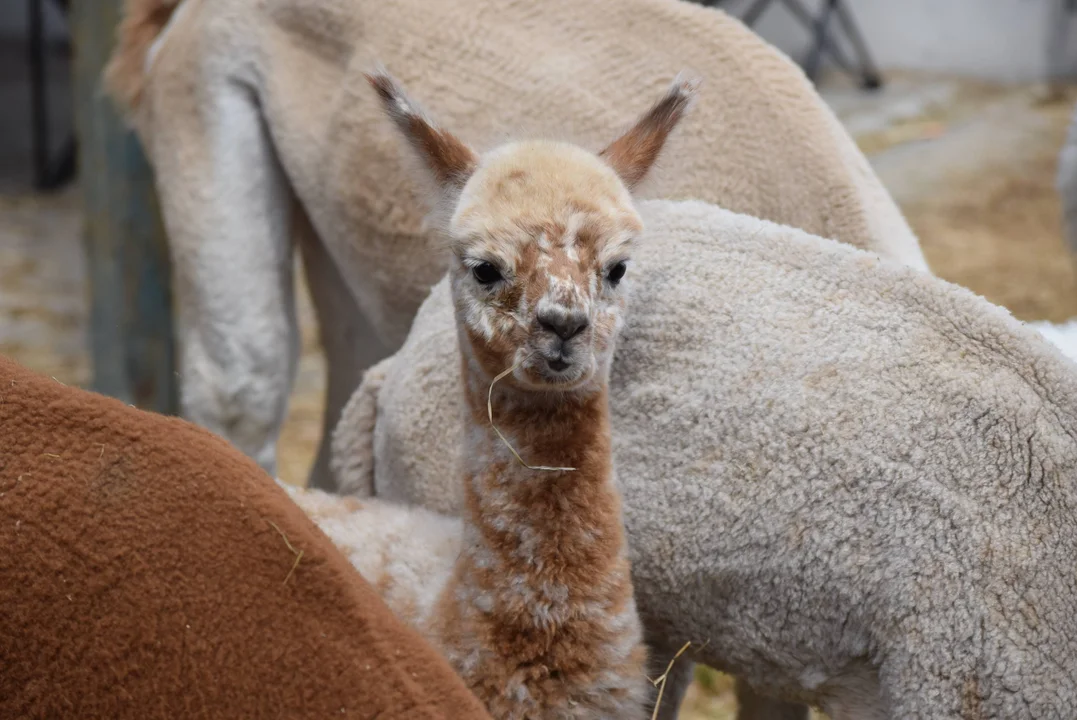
column 753, row 706
column 349, row 341
column 677, row 681
column 351, row 458
column 1066, row 183
column 227, row 207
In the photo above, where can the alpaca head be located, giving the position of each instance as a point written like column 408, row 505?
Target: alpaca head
column 541, row 235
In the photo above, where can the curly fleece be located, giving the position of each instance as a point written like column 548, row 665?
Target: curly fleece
column 854, row 482
column 149, row 571
column 248, row 104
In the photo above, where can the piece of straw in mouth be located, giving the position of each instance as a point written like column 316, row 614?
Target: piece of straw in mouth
column 490, row 414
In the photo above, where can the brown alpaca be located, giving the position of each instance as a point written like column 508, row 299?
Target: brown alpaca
column 530, row 595
column 150, row 570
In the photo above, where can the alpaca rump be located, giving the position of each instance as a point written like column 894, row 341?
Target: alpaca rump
column 853, row 484
column 152, row 571
column 758, row 99
column 259, row 124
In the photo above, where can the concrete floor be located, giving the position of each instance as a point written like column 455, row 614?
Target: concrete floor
column 971, row 165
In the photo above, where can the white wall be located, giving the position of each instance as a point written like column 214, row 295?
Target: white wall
column 1006, row 40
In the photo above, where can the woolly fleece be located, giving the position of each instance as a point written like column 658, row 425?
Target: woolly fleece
column 143, row 577
column 843, row 476
column 249, row 105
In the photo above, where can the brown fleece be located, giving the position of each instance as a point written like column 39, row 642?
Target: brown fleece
column 150, row 571
column 633, row 154
column 451, row 161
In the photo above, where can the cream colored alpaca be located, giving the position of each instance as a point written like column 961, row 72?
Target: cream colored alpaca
column 529, row 595
column 263, row 136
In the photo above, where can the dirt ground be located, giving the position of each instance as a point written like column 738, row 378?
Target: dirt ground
column 981, row 196
column 971, row 165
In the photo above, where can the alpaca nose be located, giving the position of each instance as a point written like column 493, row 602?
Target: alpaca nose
column 565, row 325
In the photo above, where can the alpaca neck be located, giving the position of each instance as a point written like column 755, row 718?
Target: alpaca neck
column 544, row 541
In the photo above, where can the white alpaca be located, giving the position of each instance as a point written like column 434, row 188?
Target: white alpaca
column 852, row 484
column 263, row 136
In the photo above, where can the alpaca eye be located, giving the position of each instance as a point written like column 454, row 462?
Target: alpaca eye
column 485, row 273
column 616, row 272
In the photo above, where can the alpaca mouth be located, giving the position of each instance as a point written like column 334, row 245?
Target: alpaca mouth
column 561, row 371
column 561, row 358
column 558, row 364
column 555, row 368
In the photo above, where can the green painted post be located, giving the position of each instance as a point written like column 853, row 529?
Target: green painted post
column 131, row 339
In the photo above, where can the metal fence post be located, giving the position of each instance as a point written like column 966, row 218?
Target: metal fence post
column 131, row 338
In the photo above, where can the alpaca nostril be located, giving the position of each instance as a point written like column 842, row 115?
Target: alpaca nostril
column 564, row 326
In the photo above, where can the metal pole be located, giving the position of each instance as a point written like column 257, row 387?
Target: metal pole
column 39, row 128
column 131, row 339
column 869, row 75
column 799, row 12
column 754, row 12
column 815, row 54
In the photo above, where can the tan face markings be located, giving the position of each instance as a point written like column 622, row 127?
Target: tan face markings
column 503, row 189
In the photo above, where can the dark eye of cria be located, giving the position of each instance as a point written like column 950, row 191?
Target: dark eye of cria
column 485, row 273
column 615, row 273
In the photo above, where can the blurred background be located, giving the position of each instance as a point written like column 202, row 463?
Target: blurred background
column 960, row 105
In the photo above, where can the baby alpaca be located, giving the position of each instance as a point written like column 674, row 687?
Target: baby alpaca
column 530, row 595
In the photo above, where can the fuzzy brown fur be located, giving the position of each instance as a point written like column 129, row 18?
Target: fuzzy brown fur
column 633, row 154
column 447, row 158
column 149, row 570
column 559, row 662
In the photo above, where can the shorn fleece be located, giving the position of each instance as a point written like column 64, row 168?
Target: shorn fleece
column 244, row 106
column 848, row 481
column 149, row 570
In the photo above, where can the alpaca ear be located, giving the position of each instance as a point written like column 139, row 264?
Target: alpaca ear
column 449, row 160
column 633, row 154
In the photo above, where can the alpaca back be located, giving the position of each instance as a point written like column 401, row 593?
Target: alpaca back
column 150, row 570
column 761, row 140
column 874, row 444
column 406, row 553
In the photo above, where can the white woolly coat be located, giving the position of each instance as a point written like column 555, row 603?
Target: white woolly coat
column 263, row 132
column 847, row 478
